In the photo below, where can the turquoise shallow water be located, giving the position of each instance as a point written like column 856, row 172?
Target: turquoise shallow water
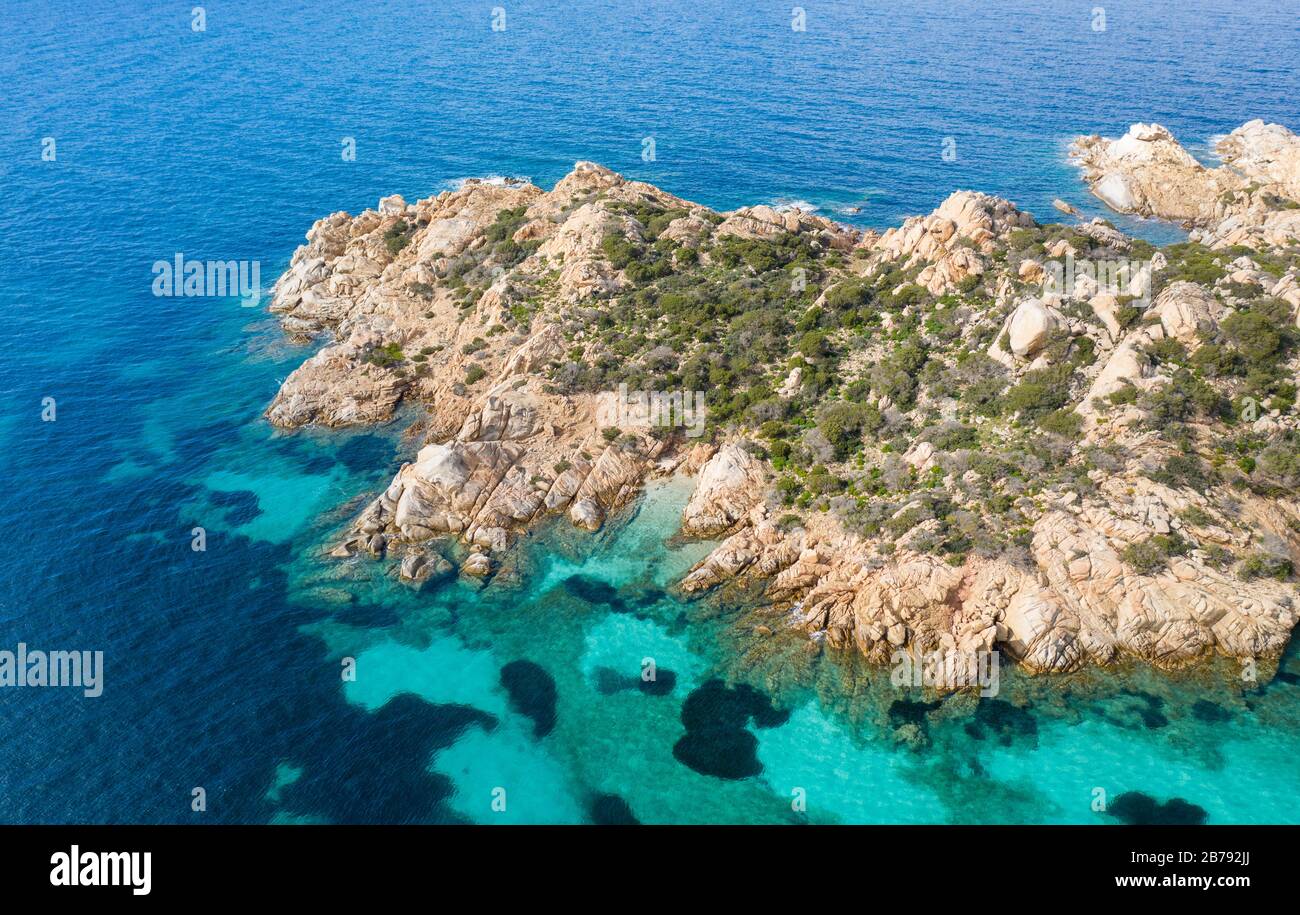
column 593, row 610
column 223, row 668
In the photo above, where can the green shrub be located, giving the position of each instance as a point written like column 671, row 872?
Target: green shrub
column 1039, row 392
column 1063, row 422
column 1279, row 462
column 1254, row 336
column 850, row 294
column 910, row 294
column 618, row 250
column 901, row 524
column 814, row 345
column 896, row 375
column 506, row 224
column 843, row 423
column 397, row 237
column 1183, row 470
column 820, row 481
column 1193, row 262
column 385, row 356
column 956, row 438
column 1183, row 398
column 1125, row 395
column 1147, row 557
column 1167, row 349
column 1264, row 565
column 788, row 522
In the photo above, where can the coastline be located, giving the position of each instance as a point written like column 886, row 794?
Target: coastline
column 863, row 749
column 495, row 460
column 223, row 667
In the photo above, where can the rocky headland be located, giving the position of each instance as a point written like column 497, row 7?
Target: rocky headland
column 914, row 440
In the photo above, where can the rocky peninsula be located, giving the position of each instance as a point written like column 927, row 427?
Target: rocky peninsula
column 967, row 433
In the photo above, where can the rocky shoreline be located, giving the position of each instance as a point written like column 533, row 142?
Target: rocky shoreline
column 913, row 442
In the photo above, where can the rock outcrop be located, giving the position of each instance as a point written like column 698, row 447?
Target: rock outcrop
column 769, row 223
column 1266, row 153
column 729, row 486
column 952, row 239
column 1252, row 199
column 1029, row 327
column 1078, row 603
column 339, row 386
column 1186, row 309
column 1148, row 173
column 961, row 460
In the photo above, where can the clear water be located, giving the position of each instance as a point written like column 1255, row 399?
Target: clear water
column 223, row 667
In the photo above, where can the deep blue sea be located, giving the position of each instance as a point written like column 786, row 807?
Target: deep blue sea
column 222, row 667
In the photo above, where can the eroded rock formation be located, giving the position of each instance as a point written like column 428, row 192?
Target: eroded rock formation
column 929, row 450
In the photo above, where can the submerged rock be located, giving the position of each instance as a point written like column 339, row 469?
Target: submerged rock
column 420, row 567
column 477, row 565
column 612, row 810
column 610, row 681
column 1138, row 809
column 717, row 742
column 532, row 693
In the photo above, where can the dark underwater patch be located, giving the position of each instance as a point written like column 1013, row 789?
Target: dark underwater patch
column 195, row 445
column 316, row 465
column 532, row 693
column 1138, row 809
column 910, row 721
column 366, row 454
column 308, row 458
column 662, row 685
column 368, row 616
column 611, row 810
column 717, row 742
column 259, row 694
column 909, row 711
column 610, row 681
column 241, row 505
column 1282, row 678
column 595, row 591
column 1148, row 708
column 1205, row 710
column 648, row 597
column 378, row 769
column 721, row 752
column 1003, row 721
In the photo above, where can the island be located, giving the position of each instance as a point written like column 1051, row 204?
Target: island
column 973, row 432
